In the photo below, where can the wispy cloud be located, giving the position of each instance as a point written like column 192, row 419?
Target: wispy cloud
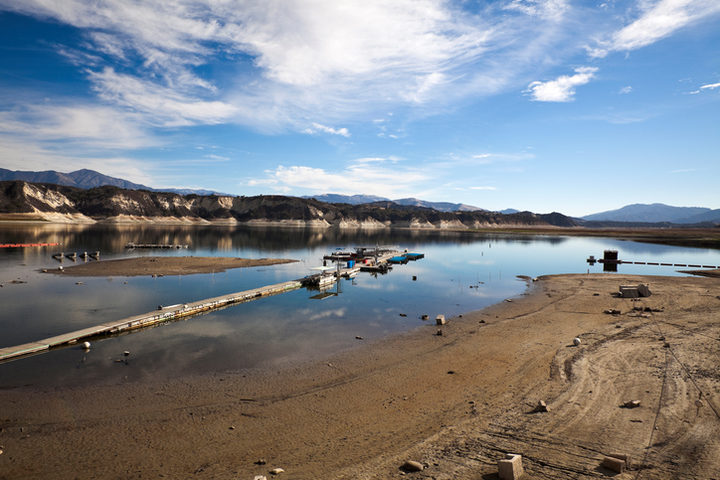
column 625, row 90
column 562, row 89
column 657, row 19
column 489, row 188
column 318, row 127
column 710, row 86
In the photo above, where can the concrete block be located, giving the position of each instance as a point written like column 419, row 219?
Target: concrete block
column 440, row 320
column 510, row 468
column 644, row 290
column 622, row 456
column 629, row 291
column 614, row 464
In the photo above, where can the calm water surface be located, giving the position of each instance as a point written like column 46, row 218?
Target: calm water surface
column 460, row 273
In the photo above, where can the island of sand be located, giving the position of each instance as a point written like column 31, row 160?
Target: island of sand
column 454, row 403
column 137, row 266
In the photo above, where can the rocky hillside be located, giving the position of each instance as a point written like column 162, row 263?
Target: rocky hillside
column 22, row 200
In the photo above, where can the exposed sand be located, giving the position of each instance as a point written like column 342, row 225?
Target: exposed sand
column 136, row 266
column 455, row 402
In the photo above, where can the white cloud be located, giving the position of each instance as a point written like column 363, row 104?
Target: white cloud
column 296, row 60
column 489, row 188
column 95, row 127
column 562, row 89
column 710, row 86
column 360, row 176
column 318, row 127
column 657, row 20
column 162, row 106
column 625, row 90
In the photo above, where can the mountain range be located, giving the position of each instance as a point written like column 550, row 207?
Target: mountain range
column 656, row 213
column 20, row 200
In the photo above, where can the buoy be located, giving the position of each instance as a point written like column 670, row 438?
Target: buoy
column 576, row 341
column 86, row 345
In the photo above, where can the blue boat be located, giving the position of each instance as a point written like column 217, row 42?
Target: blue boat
column 414, row 256
column 399, row 259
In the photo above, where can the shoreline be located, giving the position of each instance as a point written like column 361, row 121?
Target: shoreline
column 452, row 402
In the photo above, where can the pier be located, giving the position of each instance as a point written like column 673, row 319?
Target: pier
column 610, row 262
column 161, row 315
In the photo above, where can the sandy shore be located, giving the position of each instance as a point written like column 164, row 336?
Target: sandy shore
column 455, row 402
column 136, row 266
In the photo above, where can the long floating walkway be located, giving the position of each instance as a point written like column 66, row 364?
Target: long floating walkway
column 163, row 314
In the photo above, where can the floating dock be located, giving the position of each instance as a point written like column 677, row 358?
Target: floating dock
column 154, row 245
column 26, row 245
column 161, row 315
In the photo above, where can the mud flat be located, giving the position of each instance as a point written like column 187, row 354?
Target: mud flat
column 136, row 266
column 454, row 402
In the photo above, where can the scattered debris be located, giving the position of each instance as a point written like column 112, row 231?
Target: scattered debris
column 614, row 464
column 612, row 311
column 403, row 314
column 261, row 461
column 424, row 317
column 509, row 300
column 412, row 466
column 276, row 471
column 577, row 341
column 440, row 320
column 260, row 477
column 232, row 427
column 451, row 372
column 541, row 407
column 86, row 345
column 631, row 404
column 510, row 468
column 358, row 337
column 126, row 353
column 439, row 333
column 79, row 283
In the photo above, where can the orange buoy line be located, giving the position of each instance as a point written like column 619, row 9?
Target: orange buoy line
column 22, row 245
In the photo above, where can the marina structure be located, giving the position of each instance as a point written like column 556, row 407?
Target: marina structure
column 347, row 265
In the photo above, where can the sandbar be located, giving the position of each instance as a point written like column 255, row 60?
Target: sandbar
column 136, row 266
column 455, row 402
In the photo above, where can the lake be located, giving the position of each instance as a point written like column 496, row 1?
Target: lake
column 461, row 272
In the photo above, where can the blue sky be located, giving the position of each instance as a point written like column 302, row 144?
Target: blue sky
column 541, row 105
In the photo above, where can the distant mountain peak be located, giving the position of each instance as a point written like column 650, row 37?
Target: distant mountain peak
column 653, row 213
column 86, row 178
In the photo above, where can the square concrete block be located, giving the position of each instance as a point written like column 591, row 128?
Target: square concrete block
column 644, row 290
column 510, row 468
column 440, row 320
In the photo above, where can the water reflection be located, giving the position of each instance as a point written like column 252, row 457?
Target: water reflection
column 460, row 272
